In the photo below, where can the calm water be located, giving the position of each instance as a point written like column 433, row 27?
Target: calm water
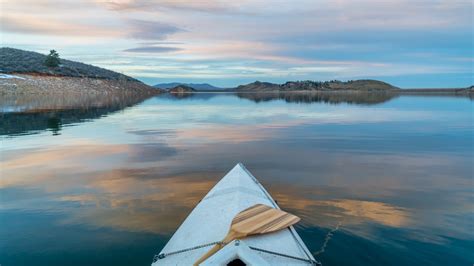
column 390, row 177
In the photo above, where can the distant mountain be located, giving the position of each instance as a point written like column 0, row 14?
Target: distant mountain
column 196, row 86
column 308, row 85
column 181, row 89
column 27, row 62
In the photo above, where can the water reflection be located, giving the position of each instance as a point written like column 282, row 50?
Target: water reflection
column 27, row 114
column 363, row 98
column 324, row 97
column 354, row 97
column 393, row 181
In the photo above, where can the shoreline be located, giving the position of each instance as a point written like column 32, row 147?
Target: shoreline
column 20, row 84
column 39, row 94
column 38, row 83
column 453, row 91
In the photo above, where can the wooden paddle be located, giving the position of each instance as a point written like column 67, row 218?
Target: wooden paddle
column 256, row 220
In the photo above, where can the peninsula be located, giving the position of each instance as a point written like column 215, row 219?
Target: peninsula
column 308, row 85
column 362, row 85
column 26, row 72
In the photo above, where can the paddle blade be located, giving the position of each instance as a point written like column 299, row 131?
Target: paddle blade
column 261, row 219
column 258, row 219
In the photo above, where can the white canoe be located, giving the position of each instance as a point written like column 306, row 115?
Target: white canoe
column 210, row 220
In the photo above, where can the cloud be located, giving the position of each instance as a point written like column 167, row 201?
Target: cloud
column 252, row 39
column 242, row 50
column 56, row 25
column 151, row 30
column 49, row 26
column 154, row 5
column 153, row 49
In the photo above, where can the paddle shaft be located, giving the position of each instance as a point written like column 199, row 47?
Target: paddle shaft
column 229, row 238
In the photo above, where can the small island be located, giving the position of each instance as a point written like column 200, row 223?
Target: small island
column 181, row 89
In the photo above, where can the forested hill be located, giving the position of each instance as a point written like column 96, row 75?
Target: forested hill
column 308, row 85
column 26, row 62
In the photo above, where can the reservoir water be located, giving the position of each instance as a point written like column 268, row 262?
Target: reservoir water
column 376, row 180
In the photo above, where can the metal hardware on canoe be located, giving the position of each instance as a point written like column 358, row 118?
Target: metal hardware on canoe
column 164, row 255
column 313, row 262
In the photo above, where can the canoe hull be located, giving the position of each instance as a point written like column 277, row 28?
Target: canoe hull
column 210, row 221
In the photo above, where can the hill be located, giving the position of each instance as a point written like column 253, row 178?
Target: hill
column 258, row 86
column 308, row 85
column 196, row 86
column 26, row 62
column 25, row 73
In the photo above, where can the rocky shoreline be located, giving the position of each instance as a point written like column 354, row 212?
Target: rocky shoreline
column 17, row 84
column 39, row 93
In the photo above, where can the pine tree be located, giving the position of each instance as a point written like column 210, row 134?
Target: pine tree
column 52, row 60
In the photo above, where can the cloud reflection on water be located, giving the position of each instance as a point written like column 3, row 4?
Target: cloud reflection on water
column 144, row 169
column 157, row 198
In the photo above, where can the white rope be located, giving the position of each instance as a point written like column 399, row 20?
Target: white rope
column 327, row 238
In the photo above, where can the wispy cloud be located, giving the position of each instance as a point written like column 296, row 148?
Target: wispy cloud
column 153, row 5
column 152, row 49
column 39, row 26
column 151, row 30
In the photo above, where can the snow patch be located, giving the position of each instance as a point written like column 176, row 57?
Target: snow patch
column 6, row 76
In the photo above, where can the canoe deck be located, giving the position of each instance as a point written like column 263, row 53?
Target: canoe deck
column 210, row 221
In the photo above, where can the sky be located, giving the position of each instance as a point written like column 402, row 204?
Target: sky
column 408, row 43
